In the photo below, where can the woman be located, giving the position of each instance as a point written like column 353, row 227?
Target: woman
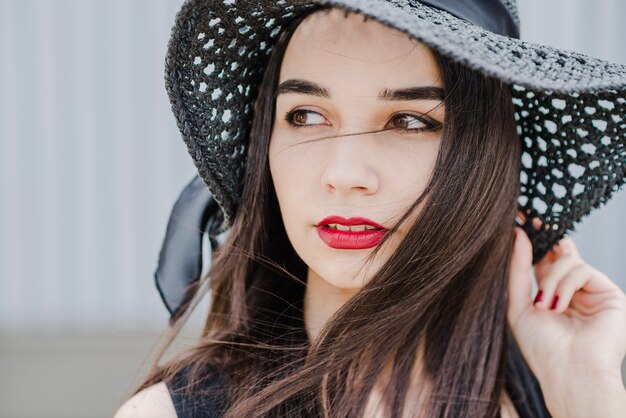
column 373, row 267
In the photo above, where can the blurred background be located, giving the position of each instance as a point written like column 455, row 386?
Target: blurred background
column 91, row 162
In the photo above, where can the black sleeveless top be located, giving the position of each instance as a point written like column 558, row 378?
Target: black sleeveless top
column 521, row 385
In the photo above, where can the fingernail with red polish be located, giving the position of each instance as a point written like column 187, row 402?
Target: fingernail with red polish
column 538, row 297
column 554, row 302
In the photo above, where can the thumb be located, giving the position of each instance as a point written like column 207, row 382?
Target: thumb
column 520, row 281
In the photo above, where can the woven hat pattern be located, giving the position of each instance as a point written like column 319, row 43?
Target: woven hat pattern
column 569, row 107
column 573, row 157
column 211, row 97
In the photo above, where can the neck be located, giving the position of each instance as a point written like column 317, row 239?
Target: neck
column 321, row 301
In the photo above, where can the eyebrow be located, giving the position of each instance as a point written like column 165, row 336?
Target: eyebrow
column 405, row 94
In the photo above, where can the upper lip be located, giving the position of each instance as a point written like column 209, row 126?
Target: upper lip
column 358, row 220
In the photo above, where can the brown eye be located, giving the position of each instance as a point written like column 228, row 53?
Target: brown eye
column 413, row 123
column 300, row 118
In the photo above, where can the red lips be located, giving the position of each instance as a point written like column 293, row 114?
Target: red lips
column 349, row 240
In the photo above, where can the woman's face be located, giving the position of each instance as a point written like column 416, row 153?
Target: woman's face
column 342, row 78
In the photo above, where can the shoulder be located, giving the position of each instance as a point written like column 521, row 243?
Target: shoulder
column 152, row 402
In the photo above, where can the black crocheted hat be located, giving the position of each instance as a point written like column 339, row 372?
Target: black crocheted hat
column 570, row 108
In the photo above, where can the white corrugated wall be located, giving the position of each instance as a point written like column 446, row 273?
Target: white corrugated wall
column 91, row 160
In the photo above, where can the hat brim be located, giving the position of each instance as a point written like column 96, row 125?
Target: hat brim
column 570, row 107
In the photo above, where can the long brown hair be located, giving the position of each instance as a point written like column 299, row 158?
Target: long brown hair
column 445, row 286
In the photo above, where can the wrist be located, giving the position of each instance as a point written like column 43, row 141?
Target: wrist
column 587, row 393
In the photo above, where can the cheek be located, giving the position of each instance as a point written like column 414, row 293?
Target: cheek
column 409, row 168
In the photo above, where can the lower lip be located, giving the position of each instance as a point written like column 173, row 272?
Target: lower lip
column 346, row 240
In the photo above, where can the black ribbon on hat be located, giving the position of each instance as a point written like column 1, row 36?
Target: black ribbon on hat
column 488, row 14
column 195, row 213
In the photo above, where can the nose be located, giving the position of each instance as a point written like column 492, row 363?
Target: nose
column 350, row 166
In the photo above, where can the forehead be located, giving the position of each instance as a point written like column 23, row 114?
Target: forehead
column 330, row 46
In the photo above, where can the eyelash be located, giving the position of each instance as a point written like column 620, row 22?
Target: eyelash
column 431, row 125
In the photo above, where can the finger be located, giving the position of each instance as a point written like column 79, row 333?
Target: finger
column 520, row 281
column 544, row 266
column 563, row 246
column 573, row 281
column 549, row 277
column 537, row 223
column 566, row 246
column 550, row 257
column 600, row 283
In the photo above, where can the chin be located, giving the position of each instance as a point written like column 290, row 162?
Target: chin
column 342, row 272
column 342, row 269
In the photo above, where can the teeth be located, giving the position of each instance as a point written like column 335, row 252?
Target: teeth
column 353, row 228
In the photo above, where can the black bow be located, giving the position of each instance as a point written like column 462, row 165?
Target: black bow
column 195, row 213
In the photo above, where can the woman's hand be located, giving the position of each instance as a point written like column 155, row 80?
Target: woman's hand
column 574, row 337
